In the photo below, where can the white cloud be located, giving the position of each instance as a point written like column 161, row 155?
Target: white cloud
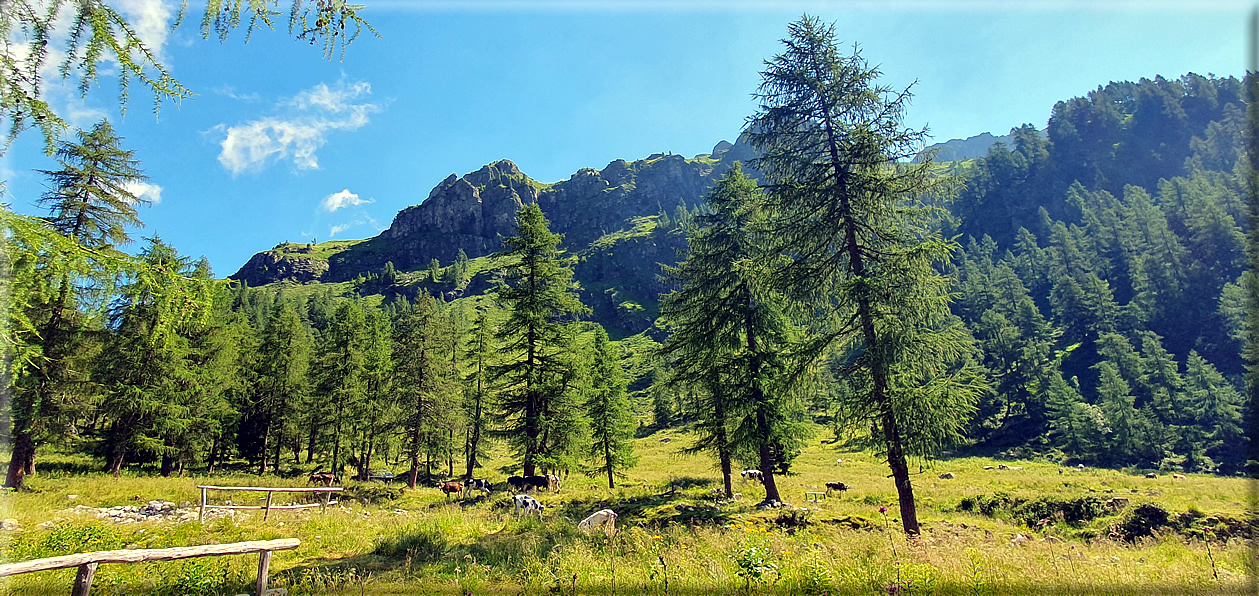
column 297, row 134
column 145, row 190
column 339, row 200
column 337, row 229
column 150, row 19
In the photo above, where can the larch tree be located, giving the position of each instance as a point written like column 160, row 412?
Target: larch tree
column 730, row 328
column 284, row 359
column 847, row 208
column 343, row 369
column 90, row 207
column 423, row 375
column 611, row 416
column 479, row 356
column 535, row 342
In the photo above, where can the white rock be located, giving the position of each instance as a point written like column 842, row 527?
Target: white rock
column 71, row 497
column 9, row 524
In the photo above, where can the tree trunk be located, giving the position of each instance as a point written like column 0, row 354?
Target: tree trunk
column 314, row 434
column 279, row 443
column 212, row 459
column 266, row 438
column 607, row 458
column 767, row 463
column 900, row 470
column 168, row 465
column 22, row 446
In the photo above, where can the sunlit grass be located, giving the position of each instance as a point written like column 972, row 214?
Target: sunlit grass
column 671, row 529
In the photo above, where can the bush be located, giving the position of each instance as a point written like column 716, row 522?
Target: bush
column 1142, row 521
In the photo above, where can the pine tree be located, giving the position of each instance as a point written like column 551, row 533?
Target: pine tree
column 846, row 208
column 611, row 417
column 342, row 370
column 535, row 343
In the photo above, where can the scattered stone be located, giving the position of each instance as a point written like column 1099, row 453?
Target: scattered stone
column 1117, row 502
column 1019, row 539
column 1114, row 559
column 987, row 533
column 400, row 511
column 947, row 476
column 48, row 524
column 9, row 525
column 666, row 440
column 71, row 497
column 158, row 511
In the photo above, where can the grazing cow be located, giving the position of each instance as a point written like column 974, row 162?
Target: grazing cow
column 1178, row 476
column 324, row 478
column 536, row 482
column 1151, row 475
column 839, row 461
column 553, row 483
column 516, row 483
column 528, row 504
column 450, row 487
column 947, row 476
column 477, row 484
column 752, row 474
column 839, row 486
column 604, row 517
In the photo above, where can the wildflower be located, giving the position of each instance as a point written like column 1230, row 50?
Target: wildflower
column 883, row 509
column 786, row 552
column 657, row 537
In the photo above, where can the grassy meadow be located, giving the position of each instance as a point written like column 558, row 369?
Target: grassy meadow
column 673, row 538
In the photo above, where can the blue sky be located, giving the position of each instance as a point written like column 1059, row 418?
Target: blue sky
column 280, row 144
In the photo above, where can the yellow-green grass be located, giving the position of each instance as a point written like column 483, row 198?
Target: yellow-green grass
column 423, row 543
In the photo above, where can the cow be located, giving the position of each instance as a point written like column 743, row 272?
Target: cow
column 450, row 487
column 536, row 482
column 477, row 484
column 839, row 486
column 517, row 483
column 604, row 517
column 553, row 483
column 752, row 474
column 528, row 504
column 324, row 478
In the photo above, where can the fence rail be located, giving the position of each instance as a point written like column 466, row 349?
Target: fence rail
column 87, row 562
column 266, row 509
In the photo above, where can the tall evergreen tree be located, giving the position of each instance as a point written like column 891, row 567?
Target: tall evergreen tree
column 729, row 326
column 284, row 358
column 535, row 341
column 846, row 208
column 611, row 417
column 424, row 377
column 91, row 205
column 477, row 384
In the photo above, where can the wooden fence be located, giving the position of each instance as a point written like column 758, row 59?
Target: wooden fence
column 327, row 500
column 87, row 562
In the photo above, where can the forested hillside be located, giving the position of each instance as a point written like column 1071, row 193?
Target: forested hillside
column 1097, row 316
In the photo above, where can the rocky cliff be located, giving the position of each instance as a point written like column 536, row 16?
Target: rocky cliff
column 474, row 212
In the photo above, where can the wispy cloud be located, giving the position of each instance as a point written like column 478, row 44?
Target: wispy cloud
column 229, row 91
column 145, row 190
column 337, row 229
column 297, row 133
column 342, row 199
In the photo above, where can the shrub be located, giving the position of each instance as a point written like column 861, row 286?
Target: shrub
column 417, row 543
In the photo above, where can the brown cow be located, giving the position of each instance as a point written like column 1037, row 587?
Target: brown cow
column 450, row 487
column 324, row 478
column 840, row 486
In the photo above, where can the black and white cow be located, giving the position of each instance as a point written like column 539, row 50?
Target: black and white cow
column 752, row 475
column 528, row 504
column 477, row 484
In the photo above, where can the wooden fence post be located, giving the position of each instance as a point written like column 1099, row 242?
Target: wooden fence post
column 201, row 517
column 326, row 497
column 267, row 510
column 264, row 562
column 83, row 583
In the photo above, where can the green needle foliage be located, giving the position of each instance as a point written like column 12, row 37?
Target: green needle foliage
column 611, row 415
column 849, row 214
column 536, row 342
column 98, row 33
column 731, row 332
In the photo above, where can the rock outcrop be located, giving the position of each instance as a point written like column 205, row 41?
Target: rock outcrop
column 278, row 264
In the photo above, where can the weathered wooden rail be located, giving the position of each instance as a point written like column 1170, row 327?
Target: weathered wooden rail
column 813, row 496
column 266, row 509
column 87, row 562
